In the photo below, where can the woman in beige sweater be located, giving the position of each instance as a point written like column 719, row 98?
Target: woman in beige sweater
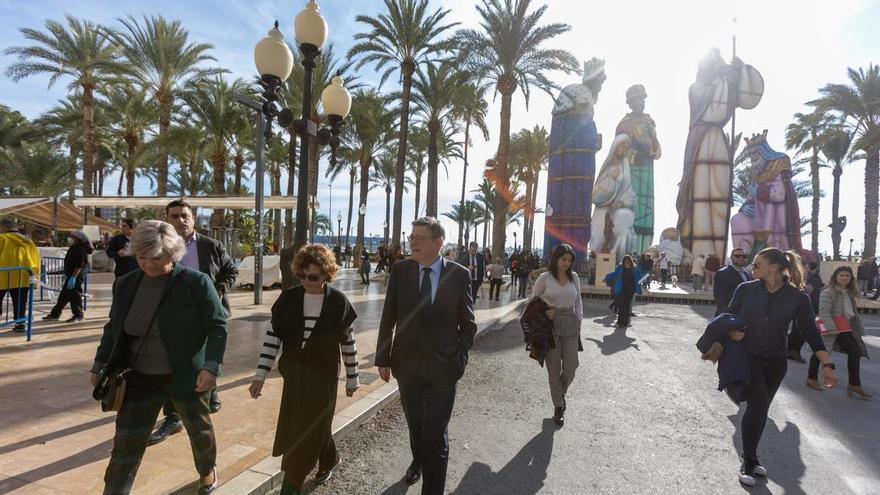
column 838, row 299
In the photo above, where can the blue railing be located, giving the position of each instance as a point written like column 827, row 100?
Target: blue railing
column 52, row 278
column 13, row 298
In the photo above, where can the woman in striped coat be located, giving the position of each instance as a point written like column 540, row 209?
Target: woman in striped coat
column 311, row 325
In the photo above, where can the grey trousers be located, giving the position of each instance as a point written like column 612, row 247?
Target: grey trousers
column 562, row 360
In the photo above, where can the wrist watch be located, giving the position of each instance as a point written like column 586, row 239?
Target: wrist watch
column 829, row 366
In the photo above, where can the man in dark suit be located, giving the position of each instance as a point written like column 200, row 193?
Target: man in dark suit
column 475, row 262
column 209, row 257
column 426, row 331
column 728, row 279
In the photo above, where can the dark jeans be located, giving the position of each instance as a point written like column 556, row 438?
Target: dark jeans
column 523, row 284
column 495, row 285
column 623, row 303
column 850, row 346
column 19, row 301
column 766, row 376
column 144, row 396
column 326, row 459
column 72, row 296
column 428, row 408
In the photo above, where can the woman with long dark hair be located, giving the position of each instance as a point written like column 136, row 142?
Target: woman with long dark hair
column 624, row 287
column 560, row 288
column 838, row 308
column 768, row 305
column 311, row 323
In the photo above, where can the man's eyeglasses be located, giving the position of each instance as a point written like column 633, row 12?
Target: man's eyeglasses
column 310, row 278
column 419, row 238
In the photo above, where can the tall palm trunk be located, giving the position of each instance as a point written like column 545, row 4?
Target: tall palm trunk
column 433, row 164
column 506, row 87
column 467, row 131
column 165, row 101
column 835, row 211
column 407, row 69
column 351, row 179
column 88, row 103
column 872, row 183
column 817, row 192
column 365, row 163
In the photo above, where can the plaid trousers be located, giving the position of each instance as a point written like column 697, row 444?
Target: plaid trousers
column 144, row 397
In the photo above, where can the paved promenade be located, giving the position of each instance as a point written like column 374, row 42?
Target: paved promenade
column 643, row 417
column 54, row 439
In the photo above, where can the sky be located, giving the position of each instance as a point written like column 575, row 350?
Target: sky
column 798, row 46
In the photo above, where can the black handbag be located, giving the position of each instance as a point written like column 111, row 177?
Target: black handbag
column 112, row 382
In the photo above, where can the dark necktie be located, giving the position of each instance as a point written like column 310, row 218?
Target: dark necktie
column 425, row 289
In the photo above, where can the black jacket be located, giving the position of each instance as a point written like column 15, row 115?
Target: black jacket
column 217, row 265
column 768, row 317
column 429, row 343
column 124, row 264
column 191, row 322
column 727, row 279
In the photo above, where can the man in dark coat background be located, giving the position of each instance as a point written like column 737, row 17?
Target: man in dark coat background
column 475, row 262
column 728, row 279
column 426, row 331
column 209, row 257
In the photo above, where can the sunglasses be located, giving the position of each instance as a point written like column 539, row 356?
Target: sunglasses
column 310, row 278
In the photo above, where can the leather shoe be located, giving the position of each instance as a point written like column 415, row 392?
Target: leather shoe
column 164, row 431
column 413, row 474
column 214, row 404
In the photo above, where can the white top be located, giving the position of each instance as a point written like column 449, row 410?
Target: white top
column 560, row 296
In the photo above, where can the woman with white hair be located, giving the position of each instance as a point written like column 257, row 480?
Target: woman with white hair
column 168, row 326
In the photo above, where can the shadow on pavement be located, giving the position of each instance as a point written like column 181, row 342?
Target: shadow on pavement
column 524, row 474
column 615, row 342
column 781, row 451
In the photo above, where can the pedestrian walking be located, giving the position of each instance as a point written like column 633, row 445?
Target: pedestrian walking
column 768, row 305
column 838, row 309
column 729, row 278
column 698, row 272
column 16, row 250
column 76, row 262
column 425, row 335
column 625, row 285
column 475, row 262
column 495, row 271
column 663, row 264
column 118, row 249
column 168, row 325
column 311, row 323
column 560, row 288
column 209, row 257
column 365, row 267
column 813, row 287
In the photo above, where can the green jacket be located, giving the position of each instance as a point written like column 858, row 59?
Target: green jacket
column 191, row 321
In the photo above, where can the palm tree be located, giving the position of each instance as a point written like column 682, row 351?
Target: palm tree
column 859, row 107
column 530, row 151
column 80, row 51
column 214, row 111
column 467, row 215
column 835, row 145
column 165, row 63
column 436, row 97
column 508, row 54
column 134, row 115
column 471, row 110
column 365, row 136
column 802, row 136
column 403, row 39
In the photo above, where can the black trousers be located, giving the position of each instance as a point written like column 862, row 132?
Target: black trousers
column 134, row 423
column 623, row 303
column 495, row 285
column 766, row 376
column 428, row 408
column 850, row 346
column 72, row 296
column 19, row 301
